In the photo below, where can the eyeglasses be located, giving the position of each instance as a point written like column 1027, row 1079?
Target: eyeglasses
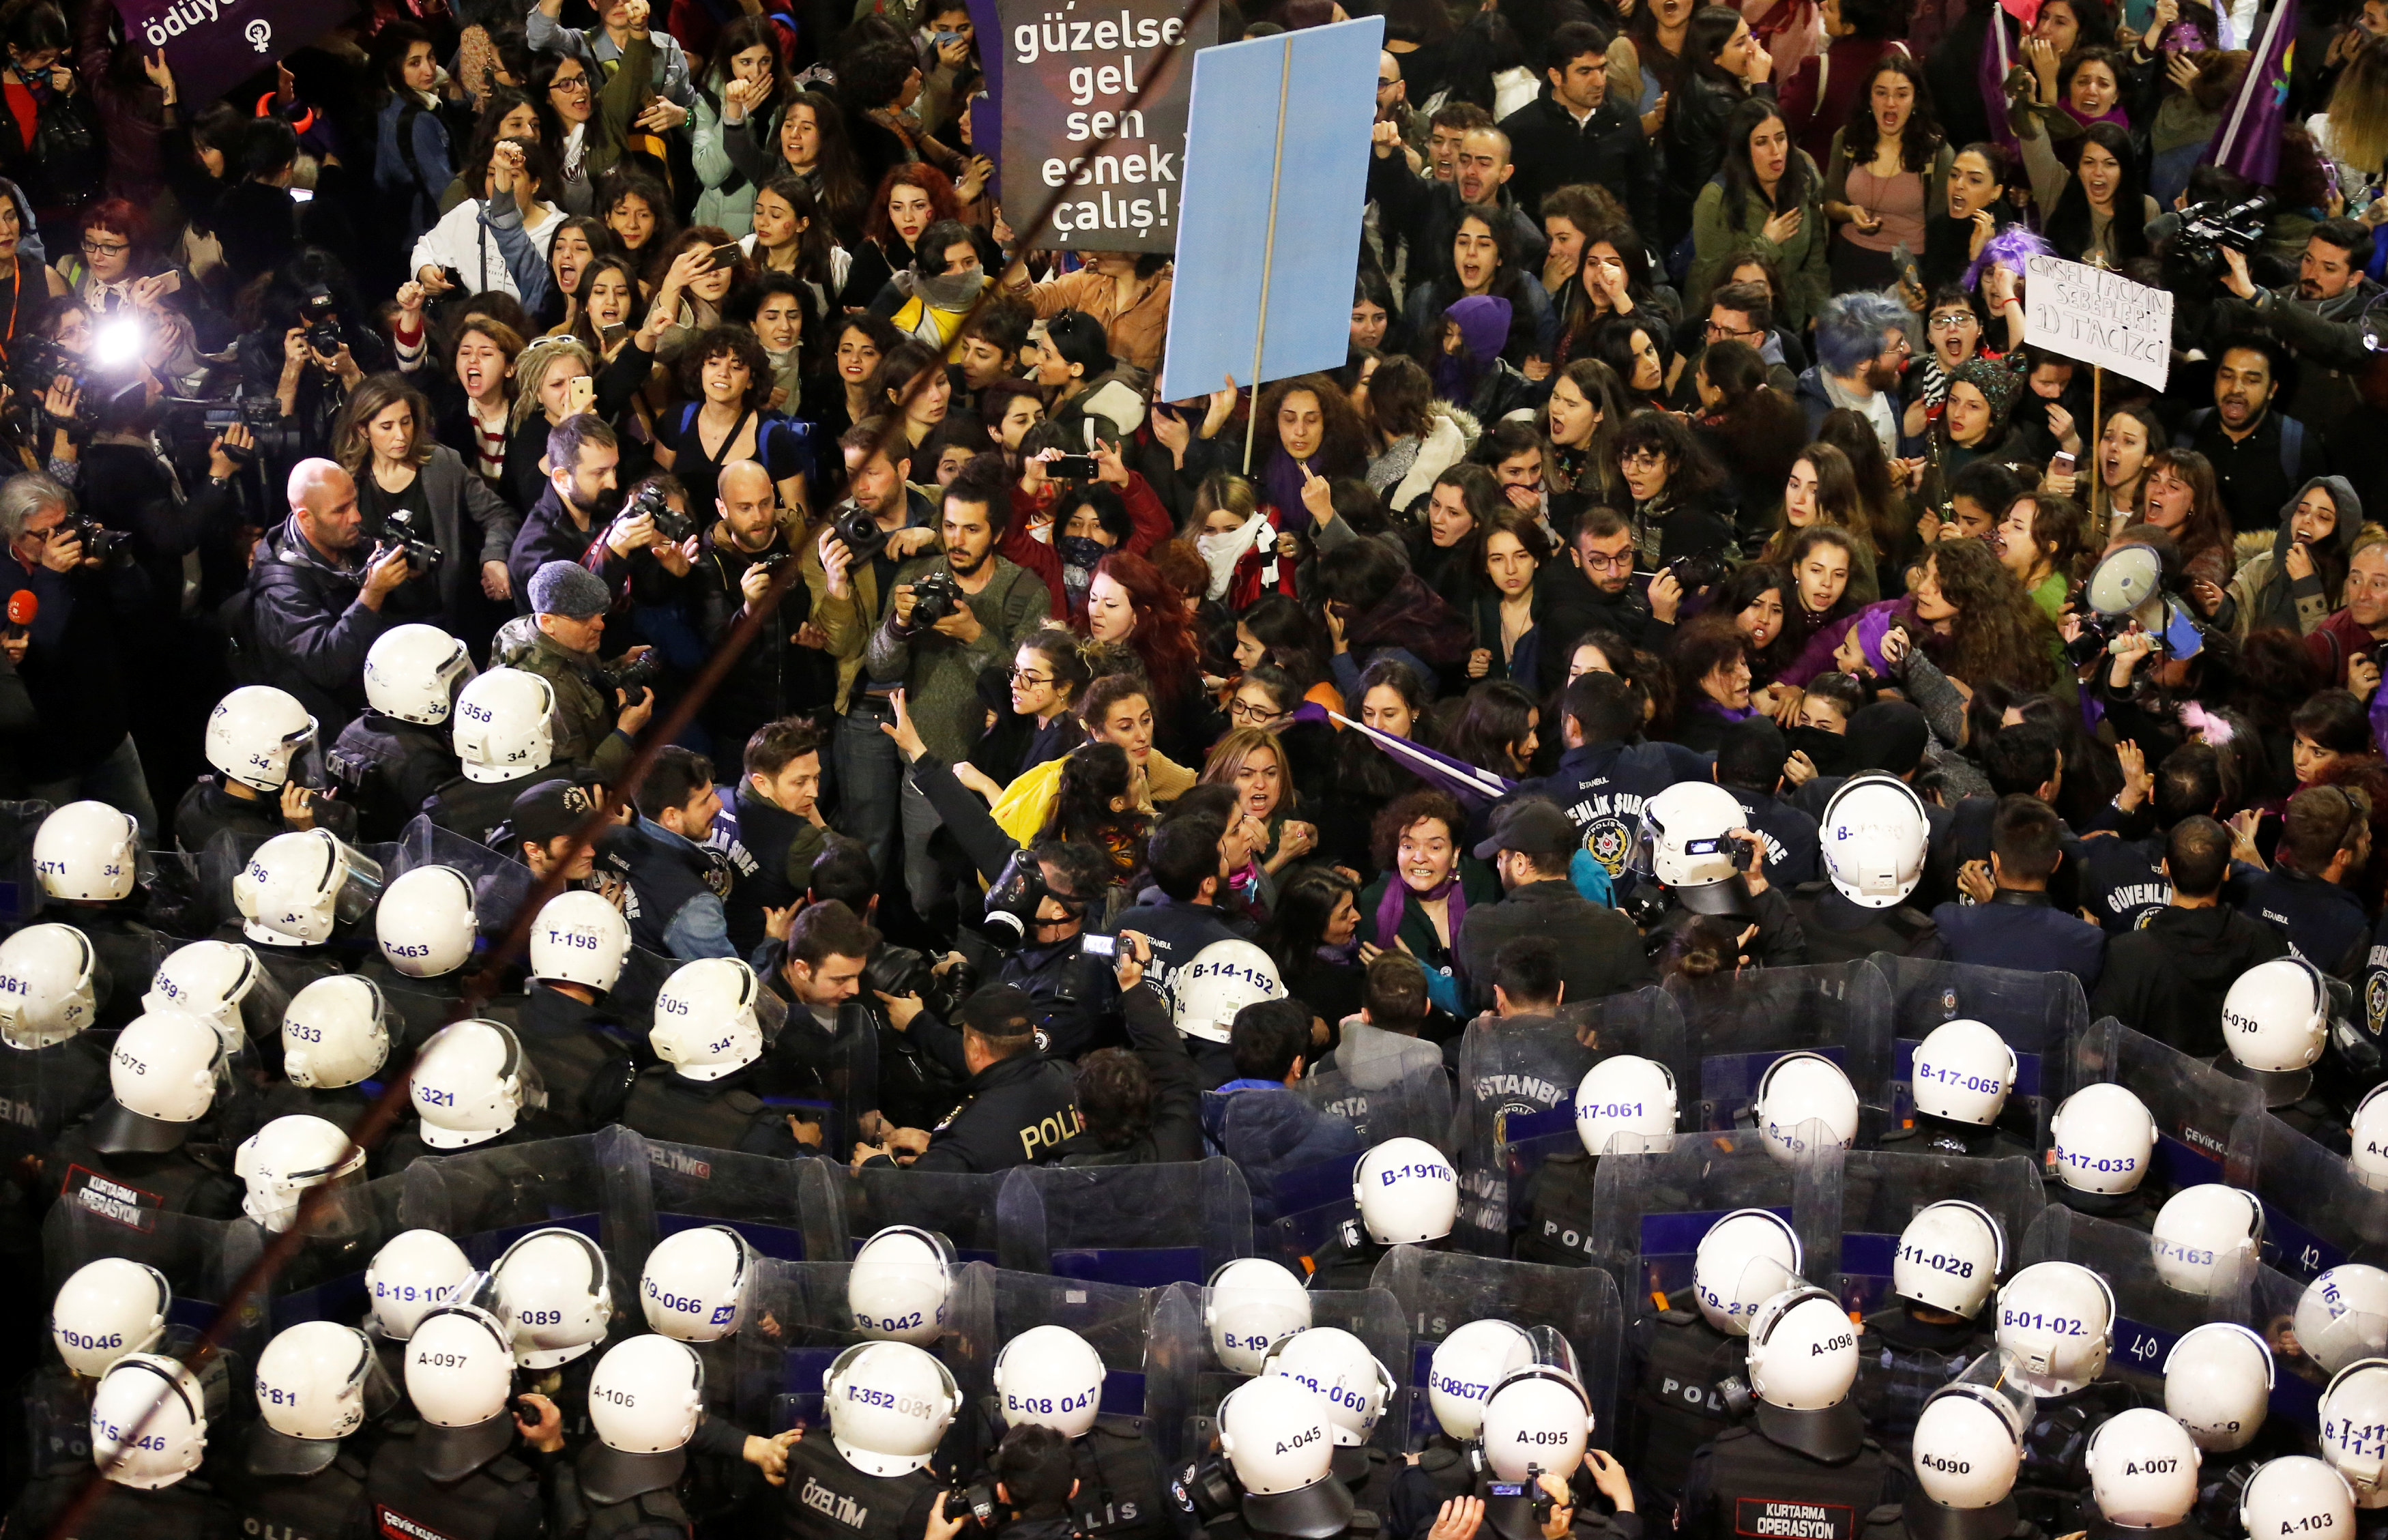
column 1022, row 676
column 569, row 82
column 1596, row 561
column 1723, row 334
column 1248, row 711
column 105, row 248
column 1642, row 460
column 1952, row 323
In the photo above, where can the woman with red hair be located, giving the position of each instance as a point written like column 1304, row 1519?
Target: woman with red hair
column 1131, row 604
column 910, row 199
column 114, row 251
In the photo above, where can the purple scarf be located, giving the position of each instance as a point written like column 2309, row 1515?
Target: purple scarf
column 2114, row 115
column 1395, row 903
column 1281, row 480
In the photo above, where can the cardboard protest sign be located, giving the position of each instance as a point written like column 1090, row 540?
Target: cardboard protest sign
column 213, row 45
column 2099, row 317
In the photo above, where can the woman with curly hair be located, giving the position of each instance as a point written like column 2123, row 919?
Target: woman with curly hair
column 1975, row 621
column 2181, row 498
column 1680, row 506
column 1424, row 884
column 1710, row 664
column 1130, row 604
column 1311, row 429
column 1094, row 804
column 727, row 378
column 908, row 199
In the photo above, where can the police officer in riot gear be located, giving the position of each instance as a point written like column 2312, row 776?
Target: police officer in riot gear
column 55, row 1068
column 1626, row 1103
column 1358, row 1388
column 2101, row 1137
column 1049, row 1378
column 1873, row 840
column 2056, row 1328
column 653, row 1448
column 425, row 928
column 1806, row 1457
column 1408, row 1195
column 472, row 1087
column 157, row 1143
column 504, row 736
column 2287, row 1029
column 457, row 1469
column 302, row 1466
column 393, row 758
column 257, row 737
column 87, row 856
column 1533, row 1460
column 1275, row 1472
column 1460, row 1378
column 1070, row 991
column 577, row 946
column 336, row 1036
column 2218, row 1384
column 150, row 1425
column 1968, row 1448
column 2142, row 1470
column 1948, row 1261
column 1962, row 1074
column 710, row 1034
column 888, row 1405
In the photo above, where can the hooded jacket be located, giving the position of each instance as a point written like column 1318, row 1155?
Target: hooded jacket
column 2168, row 977
column 2264, row 597
column 1272, row 1134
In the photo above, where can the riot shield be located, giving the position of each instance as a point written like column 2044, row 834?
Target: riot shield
column 1882, row 1190
column 1441, row 1292
column 1387, row 1085
column 2150, row 1315
column 486, row 1199
column 1144, row 1226
column 45, row 1090
column 1149, row 1355
column 1650, row 1211
column 2317, row 1213
column 813, row 1074
column 961, row 1206
column 325, row 1279
column 1303, row 1209
column 1518, row 1081
column 500, row 885
column 801, row 1320
column 201, row 1259
column 1373, row 1315
column 2303, row 1361
column 20, row 888
column 2041, row 1017
column 2196, row 1107
column 1742, row 1024
column 198, row 975
column 784, row 1208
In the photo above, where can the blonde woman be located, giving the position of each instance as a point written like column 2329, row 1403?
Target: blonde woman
column 1251, row 760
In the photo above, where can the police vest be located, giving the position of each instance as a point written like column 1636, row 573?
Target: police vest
column 656, row 1515
column 1766, row 1492
column 766, row 831
column 321, row 1507
column 1896, row 1376
column 187, row 1510
column 664, row 875
column 476, row 809
column 1558, row 1213
column 1886, row 930
column 1123, row 1492
column 387, row 767
column 670, row 1107
column 1347, row 1261
column 41, row 1088
column 133, row 1189
column 587, row 1072
column 2050, row 1486
column 828, row 1499
column 1677, row 1405
column 403, row 1503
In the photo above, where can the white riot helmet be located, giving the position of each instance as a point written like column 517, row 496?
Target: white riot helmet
column 1686, row 842
column 213, row 979
column 1625, row 1104
column 1337, row 1365
column 2354, row 1409
column 1276, row 1433
column 579, row 939
column 1408, row 1192
column 1224, row 977
column 1803, row 1101
column 1968, row 1445
column 1803, row 1351
column 334, row 1034
column 2276, row 1016
column 281, row 1161
column 107, row 1309
column 1950, row 1257
column 554, row 1286
column 1745, row 1259
column 89, row 852
column 412, row 673
column 706, row 1026
column 148, row 1422
column 2103, row 1135
column 165, row 1071
column 460, row 1375
column 1466, row 1367
column 1538, row 1421
column 2206, row 1237
column 889, row 1404
column 253, row 732
column 1254, row 1304
column 2343, row 1315
column 299, row 885
column 425, row 923
column 1962, row 1073
column 2367, row 1134
column 1050, row 1377
column 2056, row 1320
column 46, row 994
column 409, row 1278
column 696, row 1283
column 2142, row 1470
column 1873, row 838
column 646, row 1397
column 2294, row 1496
column 2218, row 1384
column 470, row 1084
column 504, row 727
column 317, row 1382
column 897, row 1286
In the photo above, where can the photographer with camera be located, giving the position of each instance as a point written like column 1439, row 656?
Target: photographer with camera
column 2318, row 318
column 310, row 351
column 597, row 709
column 315, row 598
column 417, row 497
column 953, row 616
column 777, row 674
column 1029, row 1482
column 80, row 744
column 1019, row 1105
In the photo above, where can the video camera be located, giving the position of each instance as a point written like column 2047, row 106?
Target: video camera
column 195, row 423
column 2207, row 229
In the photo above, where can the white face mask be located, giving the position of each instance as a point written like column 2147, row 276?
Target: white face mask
column 1222, row 552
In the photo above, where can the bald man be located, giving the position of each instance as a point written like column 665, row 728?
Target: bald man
column 315, row 597
column 776, row 674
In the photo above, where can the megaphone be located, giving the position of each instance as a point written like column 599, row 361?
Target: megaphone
column 2124, row 578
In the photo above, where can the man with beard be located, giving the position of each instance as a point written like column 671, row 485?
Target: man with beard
column 1860, row 349
column 2318, row 318
column 1572, row 133
column 1603, row 553
column 315, row 597
column 580, row 499
column 775, row 675
column 939, row 662
column 2261, row 456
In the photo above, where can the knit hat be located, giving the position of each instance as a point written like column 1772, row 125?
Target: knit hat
column 569, row 589
column 1998, row 384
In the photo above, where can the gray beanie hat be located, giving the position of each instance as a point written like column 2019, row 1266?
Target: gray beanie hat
column 569, row 589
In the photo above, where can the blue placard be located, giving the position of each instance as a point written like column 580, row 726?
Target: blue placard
column 2140, row 1347
column 343, row 1300
column 1679, row 1234
column 2297, row 1399
column 1866, row 1252
column 2176, row 1164
column 801, row 1370
column 780, row 1241
column 1137, row 1267
column 1729, row 1081
column 1316, row 1185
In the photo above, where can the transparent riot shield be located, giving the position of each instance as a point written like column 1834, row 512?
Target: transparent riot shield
column 1441, row 1292
column 2304, row 1361
column 1144, row 1226
column 1882, row 1190
column 1518, row 1083
column 500, row 885
column 1742, row 1024
column 1148, row 1355
column 961, row 1206
column 1387, row 1085
column 1373, row 1315
column 2196, row 1107
column 784, row 1208
column 1303, row 1209
column 2150, row 1315
column 20, row 888
column 2041, row 1017
column 202, row 1260
column 198, row 975
column 325, row 1279
column 1650, row 1211
column 802, row 1318
column 817, row 1076
column 227, row 855
column 45, row 1090
column 2317, row 1214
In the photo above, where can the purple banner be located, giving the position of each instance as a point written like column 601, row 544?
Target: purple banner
column 213, row 45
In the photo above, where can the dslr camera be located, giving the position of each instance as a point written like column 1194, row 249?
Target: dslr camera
column 319, row 324
column 402, row 533
column 99, row 543
column 859, row 533
column 1701, row 570
column 633, row 677
column 934, row 596
column 670, row 522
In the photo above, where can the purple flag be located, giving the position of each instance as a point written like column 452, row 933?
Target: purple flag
column 2249, row 140
column 213, row 45
column 1474, row 786
column 2000, row 55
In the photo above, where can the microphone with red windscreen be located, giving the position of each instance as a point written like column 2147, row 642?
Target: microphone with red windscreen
column 24, row 606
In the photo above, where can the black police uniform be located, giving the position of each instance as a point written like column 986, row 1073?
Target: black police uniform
column 2322, row 921
column 43, row 1091
column 190, row 1509
column 1123, row 1487
column 1420, row 1490
column 1677, row 1405
column 390, row 767
column 1016, row 1111
column 1348, row 1260
column 718, row 1115
column 1742, row 1484
column 585, row 1058
column 424, row 1005
column 1920, row 1518
column 2130, row 1208
column 1072, row 998
column 782, row 846
column 1840, row 931
column 476, row 810
column 132, row 1188
column 1939, row 1136
column 498, row 1500
column 1601, row 787
column 328, row 1505
column 594, row 1501
column 825, row 1498
column 1792, row 846
column 206, row 811
column 664, row 872
column 402, row 1147
column 1557, row 1201
column 125, row 952
column 1903, row 1358
column 2052, row 1487
column 2222, row 1476
column 2123, row 884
